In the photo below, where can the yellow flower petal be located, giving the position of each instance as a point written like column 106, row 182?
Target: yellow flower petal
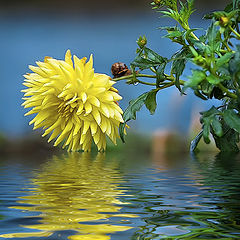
column 72, row 103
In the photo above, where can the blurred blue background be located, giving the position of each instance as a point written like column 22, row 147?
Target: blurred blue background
column 31, row 30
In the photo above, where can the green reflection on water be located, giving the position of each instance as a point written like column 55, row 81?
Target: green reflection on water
column 216, row 215
column 70, row 191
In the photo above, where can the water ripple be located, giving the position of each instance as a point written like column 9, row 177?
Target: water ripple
column 81, row 196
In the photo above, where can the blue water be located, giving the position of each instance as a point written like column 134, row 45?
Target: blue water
column 29, row 38
column 119, row 196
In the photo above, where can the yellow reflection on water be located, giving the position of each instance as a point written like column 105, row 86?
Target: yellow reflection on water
column 71, row 191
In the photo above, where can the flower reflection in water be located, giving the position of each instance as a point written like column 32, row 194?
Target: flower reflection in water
column 77, row 194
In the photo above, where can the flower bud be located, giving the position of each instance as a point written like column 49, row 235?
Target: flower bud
column 224, row 21
column 142, row 41
column 120, row 69
column 157, row 2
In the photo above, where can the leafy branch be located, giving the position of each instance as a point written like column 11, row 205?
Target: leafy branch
column 216, row 54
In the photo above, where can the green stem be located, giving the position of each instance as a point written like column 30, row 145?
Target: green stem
column 146, row 83
column 194, row 36
column 131, row 75
column 226, row 45
column 171, row 78
column 166, row 86
column 186, row 27
column 153, row 70
column 229, row 94
column 235, row 32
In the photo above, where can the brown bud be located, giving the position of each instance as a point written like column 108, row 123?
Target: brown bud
column 120, row 69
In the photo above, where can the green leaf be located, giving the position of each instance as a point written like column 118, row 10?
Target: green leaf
column 208, row 16
column 206, row 131
column 160, row 74
column 134, row 106
column 236, row 4
column 232, row 119
column 228, row 142
column 148, row 59
column 197, row 77
column 178, row 65
column 214, row 38
column 121, row 131
column 170, row 4
column 224, row 59
column 186, row 10
column 188, row 35
column 150, row 101
column 210, row 120
column 228, row 8
column 233, row 15
column 234, row 63
column 195, row 141
column 210, row 112
column 171, row 14
column 143, row 63
column 153, row 56
column 130, row 113
column 178, row 68
column 213, row 79
column 174, row 34
column 217, row 127
column 206, row 87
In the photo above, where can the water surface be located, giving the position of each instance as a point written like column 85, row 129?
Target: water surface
column 119, row 196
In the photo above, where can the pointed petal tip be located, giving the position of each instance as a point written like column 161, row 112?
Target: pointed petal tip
column 68, row 53
column 27, row 114
column 47, row 58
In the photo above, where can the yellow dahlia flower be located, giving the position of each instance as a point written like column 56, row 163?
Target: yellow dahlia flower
column 72, row 103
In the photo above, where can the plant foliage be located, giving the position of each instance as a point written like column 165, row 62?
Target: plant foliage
column 216, row 55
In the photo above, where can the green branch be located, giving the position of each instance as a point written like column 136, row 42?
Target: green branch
column 235, row 32
column 167, row 77
column 145, row 83
column 131, row 76
column 229, row 94
column 166, row 86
